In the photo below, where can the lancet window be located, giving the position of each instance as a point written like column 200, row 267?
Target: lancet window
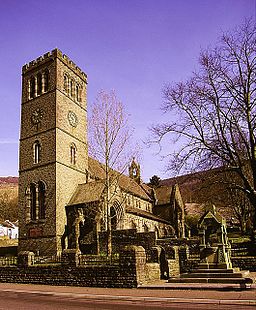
column 46, row 78
column 72, row 88
column 146, row 229
column 32, row 89
column 37, row 152
column 38, row 84
column 73, row 154
column 66, row 83
column 133, row 225
column 35, row 201
column 77, row 93
column 41, row 200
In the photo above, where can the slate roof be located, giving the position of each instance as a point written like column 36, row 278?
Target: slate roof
column 87, row 192
column 163, row 194
column 146, row 214
column 212, row 214
column 147, row 189
column 126, row 183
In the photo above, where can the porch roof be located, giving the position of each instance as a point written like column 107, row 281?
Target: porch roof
column 87, row 192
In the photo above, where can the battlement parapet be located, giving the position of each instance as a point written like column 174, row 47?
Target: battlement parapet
column 56, row 53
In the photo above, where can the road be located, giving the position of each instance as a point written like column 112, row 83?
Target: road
column 26, row 297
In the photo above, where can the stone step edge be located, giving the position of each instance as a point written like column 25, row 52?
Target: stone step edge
column 212, row 275
column 215, row 270
column 211, row 280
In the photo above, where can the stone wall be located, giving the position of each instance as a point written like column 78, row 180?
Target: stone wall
column 98, row 276
column 56, row 134
column 152, row 272
column 131, row 271
column 174, row 267
column 121, row 238
column 244, row 262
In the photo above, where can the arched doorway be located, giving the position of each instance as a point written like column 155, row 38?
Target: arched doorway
column 164, row 268
column 116, row 215
column 113, row 218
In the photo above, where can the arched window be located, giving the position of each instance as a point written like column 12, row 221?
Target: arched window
column 77, row 93
column 39, row 83
column 148, row 207
column 37, row 152
column 32, row 201
column 41, row 200
column 133, row 225
column 28, row 203
column 145, row 228
column 157, row 232
column 32, row 87
column 72, row 88
column 73, row 154
column 46, row 80
column 165, row 231
column 35, row 201
column 66, row 83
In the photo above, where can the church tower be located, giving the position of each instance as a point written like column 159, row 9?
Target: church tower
column 53, row 149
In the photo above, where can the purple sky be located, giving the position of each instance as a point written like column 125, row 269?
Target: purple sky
column 131, row 46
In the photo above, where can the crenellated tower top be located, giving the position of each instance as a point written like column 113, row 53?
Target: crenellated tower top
column 56, row 53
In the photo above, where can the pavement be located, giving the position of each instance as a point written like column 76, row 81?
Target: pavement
column 160, row 293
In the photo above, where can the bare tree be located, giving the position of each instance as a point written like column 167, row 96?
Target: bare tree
column 109, row 144
column 219, row 187
column 215, row 110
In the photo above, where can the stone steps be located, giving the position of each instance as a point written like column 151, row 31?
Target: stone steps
column 210, row 280
column 211, row 275
column 215, row 270
column 214, row 276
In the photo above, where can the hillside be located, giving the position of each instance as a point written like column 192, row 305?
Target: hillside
column 9, row 181
column 194, row 190
column 8, row 198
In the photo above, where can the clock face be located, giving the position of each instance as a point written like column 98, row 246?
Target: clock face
column 72, row 118
column 36, row 116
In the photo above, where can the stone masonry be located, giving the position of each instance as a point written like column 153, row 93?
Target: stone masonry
column 55, row 119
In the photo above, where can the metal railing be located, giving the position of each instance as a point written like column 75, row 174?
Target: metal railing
column 45, row 260
column 8, row 261
column 239, row 252
column 98, row 260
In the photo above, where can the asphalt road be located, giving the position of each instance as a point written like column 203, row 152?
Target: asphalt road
column 15, row 301
column 46, row 297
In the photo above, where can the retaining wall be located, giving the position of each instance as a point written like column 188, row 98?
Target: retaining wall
column 131, row 271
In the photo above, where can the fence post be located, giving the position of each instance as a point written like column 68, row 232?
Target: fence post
column 133, row 259
column 70, row 257
column 25, row 258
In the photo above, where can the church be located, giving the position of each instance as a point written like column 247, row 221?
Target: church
column 62, row 192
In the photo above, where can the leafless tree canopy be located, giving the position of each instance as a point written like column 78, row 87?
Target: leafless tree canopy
column 109, row 132
column 215, row 110
column 109, row 143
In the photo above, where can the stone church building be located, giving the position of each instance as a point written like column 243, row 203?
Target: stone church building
column 61, row 189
